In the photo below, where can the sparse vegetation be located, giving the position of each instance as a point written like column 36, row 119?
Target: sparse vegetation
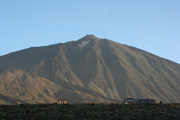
column 91, row 111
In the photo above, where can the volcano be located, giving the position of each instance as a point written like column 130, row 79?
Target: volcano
column 87, row 70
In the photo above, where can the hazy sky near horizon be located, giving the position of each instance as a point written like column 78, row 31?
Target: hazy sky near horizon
column 151, row 25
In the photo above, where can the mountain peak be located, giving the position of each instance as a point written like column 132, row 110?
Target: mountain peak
column 89, row 37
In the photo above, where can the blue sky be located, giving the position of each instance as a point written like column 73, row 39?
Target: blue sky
column 151, row 25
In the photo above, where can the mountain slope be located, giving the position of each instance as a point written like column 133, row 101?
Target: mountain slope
column 88, row 70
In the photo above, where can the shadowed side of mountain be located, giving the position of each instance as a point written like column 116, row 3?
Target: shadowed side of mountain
column 7, row 100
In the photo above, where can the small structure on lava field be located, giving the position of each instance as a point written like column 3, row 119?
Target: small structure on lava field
column 136, row 101
column 61, row 101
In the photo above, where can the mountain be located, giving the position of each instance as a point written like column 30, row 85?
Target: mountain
column 86, row 70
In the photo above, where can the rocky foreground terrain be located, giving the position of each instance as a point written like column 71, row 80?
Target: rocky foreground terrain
column 91, row 112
